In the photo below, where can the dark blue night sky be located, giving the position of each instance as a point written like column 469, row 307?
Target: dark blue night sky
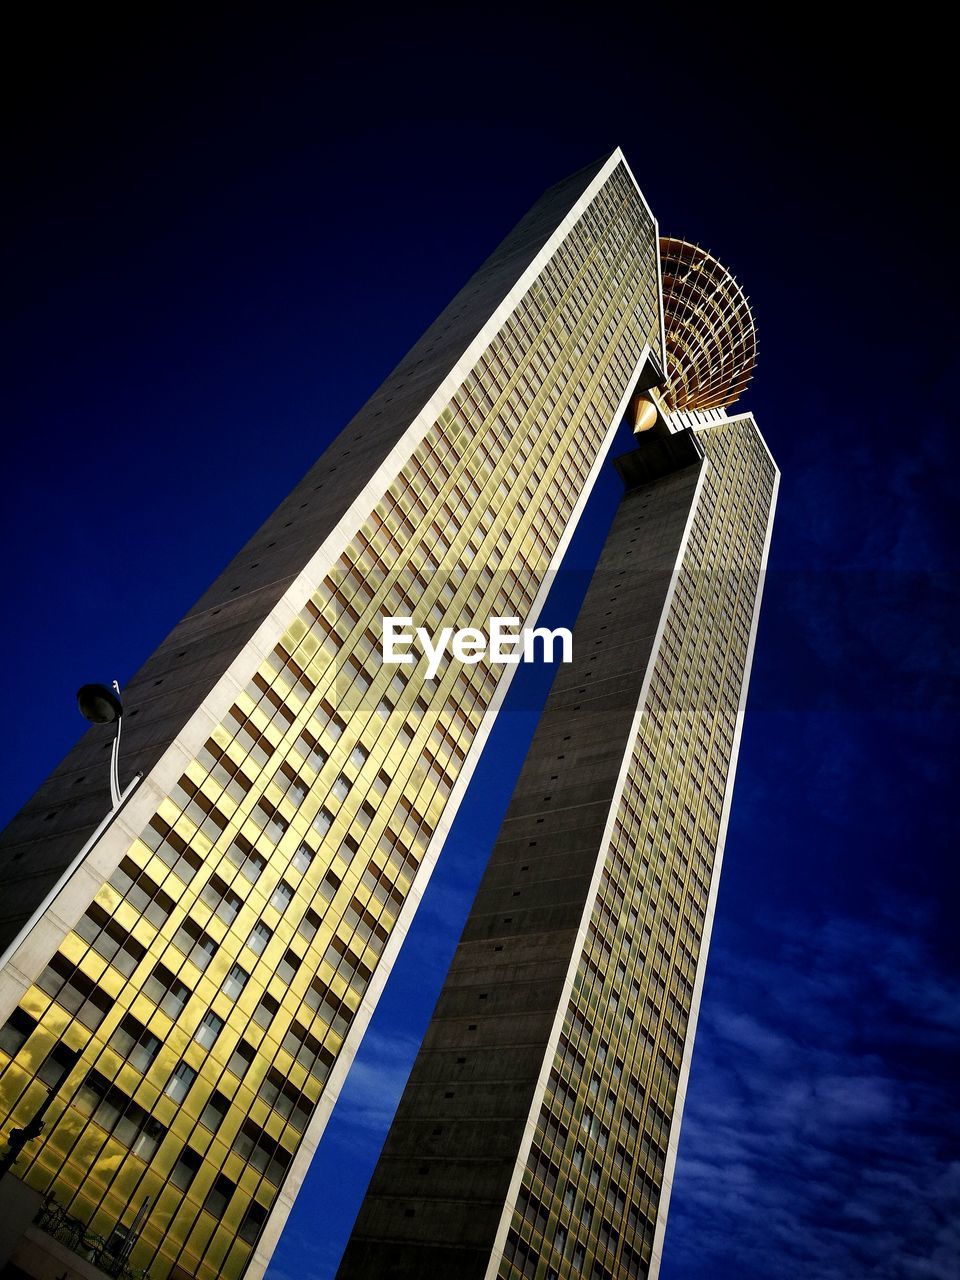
column 224, row 230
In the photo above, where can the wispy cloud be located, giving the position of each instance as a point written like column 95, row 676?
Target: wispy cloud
column 820, row 1138
column 376, row 1082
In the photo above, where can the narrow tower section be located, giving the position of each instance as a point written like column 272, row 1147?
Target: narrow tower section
column 537, row 1132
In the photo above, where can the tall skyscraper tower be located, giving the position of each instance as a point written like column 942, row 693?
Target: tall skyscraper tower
column 189, row 971
column 537, row 1133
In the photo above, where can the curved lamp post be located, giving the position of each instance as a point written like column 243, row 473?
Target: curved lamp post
column 101, row 705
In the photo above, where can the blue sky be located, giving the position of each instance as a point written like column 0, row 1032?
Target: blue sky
column 222, row 234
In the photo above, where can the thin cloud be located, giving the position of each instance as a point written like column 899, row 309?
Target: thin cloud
column 819, row 1137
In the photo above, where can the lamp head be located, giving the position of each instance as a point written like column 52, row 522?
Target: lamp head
column 98, row 704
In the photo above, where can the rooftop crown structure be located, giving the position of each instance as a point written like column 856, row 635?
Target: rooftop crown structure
column 188, row 973
column 711, row 338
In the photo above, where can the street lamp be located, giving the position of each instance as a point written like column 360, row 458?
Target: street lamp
column 18, row 1138
column 101, row 705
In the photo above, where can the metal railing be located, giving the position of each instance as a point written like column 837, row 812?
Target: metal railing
column 108, row 1255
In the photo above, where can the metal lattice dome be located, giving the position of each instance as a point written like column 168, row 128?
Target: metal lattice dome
column 711, row 337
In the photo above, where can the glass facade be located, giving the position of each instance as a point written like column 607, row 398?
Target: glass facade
column 591, row 1185
column 192, row 1019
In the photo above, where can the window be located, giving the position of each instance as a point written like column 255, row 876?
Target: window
column 234, row 982
column 135, row 1043
column 285, row 1099
column 188, row 1162
column 358, row 757
column 142, row 892
column 110, row 940
column 311, row 751
column 308, row 1051
column 15, row 1032
column 341, row 788
column 266, row 1010
column 282, row 896
column 75, row 992
column 141, row 1132
column 348, row 964
column 322, row 821
column 329, row 885
column 288, row 966
column 296, row 791
column 348, row 849
column 181, row 1078
column 264, row 1153
column 219, row 1196
column 241, row 1058
column 126, row 1120
column 211, row 1024
column 327, row 720
column 252, row 1223
column 218, row 895
column 271, row 822
column 308, row 926
column 55, row 1066
column 214, row 1111
column 330, row 1007
column 302, row 858
column 196, row 945
column 260, row 935
column 167, row 991
column 243, row 855
column 173, row 849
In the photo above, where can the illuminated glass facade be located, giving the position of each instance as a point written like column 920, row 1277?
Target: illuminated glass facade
column 537, row 1133
column 195, row 989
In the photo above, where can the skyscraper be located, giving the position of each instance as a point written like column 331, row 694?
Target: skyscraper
column 537, row 1133
column 187, row 978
